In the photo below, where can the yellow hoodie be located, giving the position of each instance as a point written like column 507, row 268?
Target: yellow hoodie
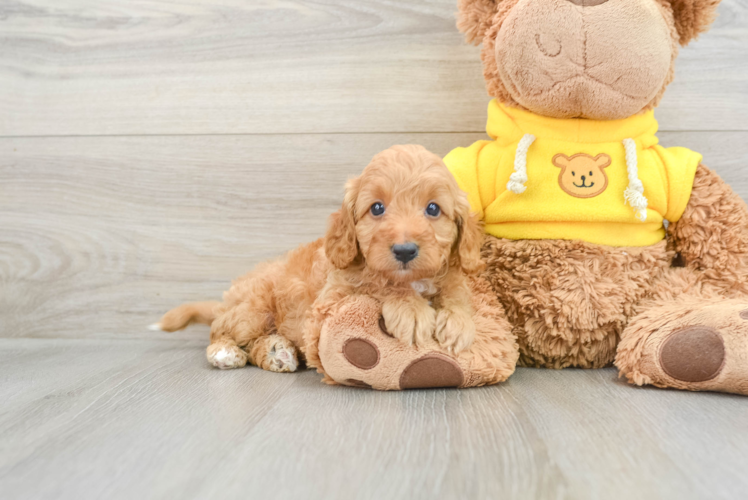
column 605, row 182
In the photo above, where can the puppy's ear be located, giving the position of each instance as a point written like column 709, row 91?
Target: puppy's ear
column 469, row 239
column 475, row 18
column 693, row 17
column 341, row 246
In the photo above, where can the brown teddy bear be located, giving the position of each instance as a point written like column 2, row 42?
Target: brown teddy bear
column 602, row 246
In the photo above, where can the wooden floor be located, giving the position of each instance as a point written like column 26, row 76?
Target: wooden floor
column 150, row 419
column 152, row 150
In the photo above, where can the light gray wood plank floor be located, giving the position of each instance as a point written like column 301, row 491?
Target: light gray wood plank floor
column 150, row 419
column 153, row 150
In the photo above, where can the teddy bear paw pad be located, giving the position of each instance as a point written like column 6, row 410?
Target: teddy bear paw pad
column 693, row 354
column 432, row 371
column 361, row 353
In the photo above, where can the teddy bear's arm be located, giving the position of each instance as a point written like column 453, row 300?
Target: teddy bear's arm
column 712, row 234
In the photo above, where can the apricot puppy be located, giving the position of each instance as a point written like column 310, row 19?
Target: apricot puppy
column 404, row 236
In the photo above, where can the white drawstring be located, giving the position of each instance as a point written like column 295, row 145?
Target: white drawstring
column 634, row 194
column 517, row 180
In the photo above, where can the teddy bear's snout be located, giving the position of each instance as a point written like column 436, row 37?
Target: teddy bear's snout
column 577, row 58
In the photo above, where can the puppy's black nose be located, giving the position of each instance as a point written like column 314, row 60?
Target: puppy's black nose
column 405, row 252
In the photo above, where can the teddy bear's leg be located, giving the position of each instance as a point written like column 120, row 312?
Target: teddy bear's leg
column 693, row 332
column 697, row 342
column 355, row 349
column 711, row 238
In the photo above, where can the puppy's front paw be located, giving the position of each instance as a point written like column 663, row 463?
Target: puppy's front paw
column 455, row 329
column 410, row 322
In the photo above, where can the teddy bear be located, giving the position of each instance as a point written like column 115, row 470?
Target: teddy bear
column 603, row 247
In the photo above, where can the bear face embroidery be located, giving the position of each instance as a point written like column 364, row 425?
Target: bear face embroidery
column 582, row 175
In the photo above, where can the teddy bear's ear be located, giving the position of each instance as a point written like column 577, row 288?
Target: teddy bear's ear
column 693, row 17
column 474, row 18
column 561, row 160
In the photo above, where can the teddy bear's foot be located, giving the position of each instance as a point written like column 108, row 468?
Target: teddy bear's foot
column 695, row 345
column 355, row 349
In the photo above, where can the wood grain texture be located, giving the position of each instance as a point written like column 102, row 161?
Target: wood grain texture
column 153, row 150
column 289, row 66
column 100, row 236
column 150, row 419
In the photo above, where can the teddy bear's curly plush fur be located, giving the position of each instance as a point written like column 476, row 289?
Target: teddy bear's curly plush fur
column 673, row 313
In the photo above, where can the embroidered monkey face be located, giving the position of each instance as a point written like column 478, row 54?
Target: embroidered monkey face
column 582, row 175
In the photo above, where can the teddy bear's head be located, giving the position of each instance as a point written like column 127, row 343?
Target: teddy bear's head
column 598, row 59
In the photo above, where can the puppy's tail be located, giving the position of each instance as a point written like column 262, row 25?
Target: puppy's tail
column 194, row 312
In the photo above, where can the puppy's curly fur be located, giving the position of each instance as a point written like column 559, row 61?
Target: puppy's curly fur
column 264, row 315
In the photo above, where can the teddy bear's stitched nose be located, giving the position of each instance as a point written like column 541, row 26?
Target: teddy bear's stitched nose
column 588, row 3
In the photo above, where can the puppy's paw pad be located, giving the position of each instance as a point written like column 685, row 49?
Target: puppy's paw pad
column 282, row 358
column 226, row 357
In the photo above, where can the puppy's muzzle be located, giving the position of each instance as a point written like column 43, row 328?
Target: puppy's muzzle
column 405, row 252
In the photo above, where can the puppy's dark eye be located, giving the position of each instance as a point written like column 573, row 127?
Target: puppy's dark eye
column 377, row 209
column 433, row 210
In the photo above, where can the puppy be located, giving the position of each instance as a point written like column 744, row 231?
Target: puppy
column 404, row 235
